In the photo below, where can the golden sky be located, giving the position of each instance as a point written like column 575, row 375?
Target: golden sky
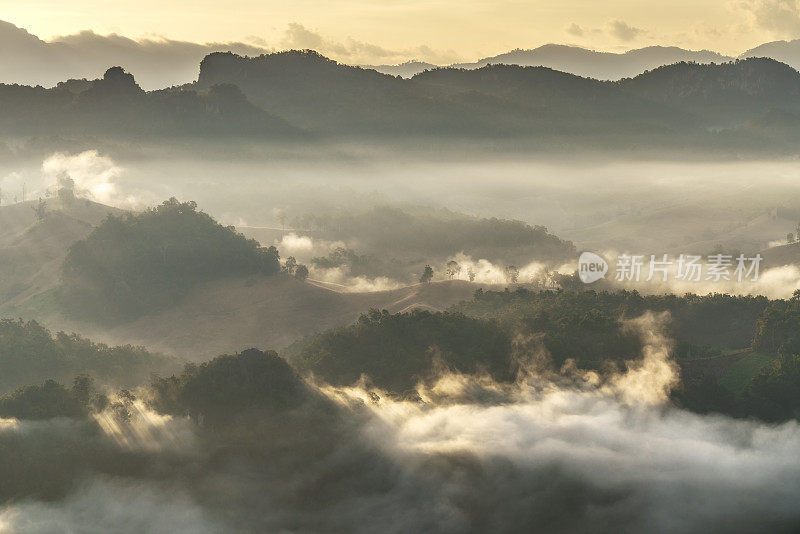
column 434, row 30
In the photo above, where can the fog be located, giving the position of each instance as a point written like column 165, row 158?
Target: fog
column 565, row 451
column 636, row 199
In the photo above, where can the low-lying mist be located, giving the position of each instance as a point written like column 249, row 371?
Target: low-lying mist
column 651, row 205
column 557, row 451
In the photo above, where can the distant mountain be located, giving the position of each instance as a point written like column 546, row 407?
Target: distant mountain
column 300, row 95
column 572, row 97
column 404, row 70
column 115, row 106
column 577, row 60
column 784, row 51
column 317, row 93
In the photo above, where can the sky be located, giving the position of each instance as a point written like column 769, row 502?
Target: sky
column 439, row 31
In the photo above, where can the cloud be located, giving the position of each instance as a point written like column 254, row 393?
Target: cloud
column 297, row 36
column 569, row 457
column 156, row 63
column 574, row 29
column 622, row 30
column 540, row 454
column 343, row 281
column 95, row 176
column 782, row 17
column 107, row 505
column 292, row 244
column 160, row 62
column 353, row 51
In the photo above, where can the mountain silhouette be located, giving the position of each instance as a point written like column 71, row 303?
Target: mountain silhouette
column 577, row 60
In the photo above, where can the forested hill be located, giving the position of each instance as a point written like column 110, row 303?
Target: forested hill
column 300, row 96
column 135, row 264
column 725, row 94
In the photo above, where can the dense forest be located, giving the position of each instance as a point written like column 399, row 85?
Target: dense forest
column 251, row 380
column 586, row 326
column 698, row 323
column 29, row 354
column 494, row 335
column 397, row 351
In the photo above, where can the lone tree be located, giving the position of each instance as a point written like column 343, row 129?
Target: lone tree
column 453, row 269
column 41, row 210
column 512, row 274
column 281, row 217
column 290, row 265
column 301, row 273
column 427, row 274
column 470, row 274
column 66, row 188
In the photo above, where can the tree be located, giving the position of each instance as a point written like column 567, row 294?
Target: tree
column 41, row 210
column 453, row 269
column 83, row 388
column 281, row 217
column 46, row 401
column 512, row 274
column 471, row 274
column 270, row 260
column 290, row 265
column 301, row 273
column 66, row 188
column 427, row 275
column 790, row 238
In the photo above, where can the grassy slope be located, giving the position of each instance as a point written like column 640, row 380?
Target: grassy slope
column 31, row 251
column 269, row 313
column 742, row 371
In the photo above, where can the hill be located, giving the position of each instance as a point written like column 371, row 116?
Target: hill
column 400, row 241
column 137, row 264
column 723, row 95
column 31, row 250
column 234, row 314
